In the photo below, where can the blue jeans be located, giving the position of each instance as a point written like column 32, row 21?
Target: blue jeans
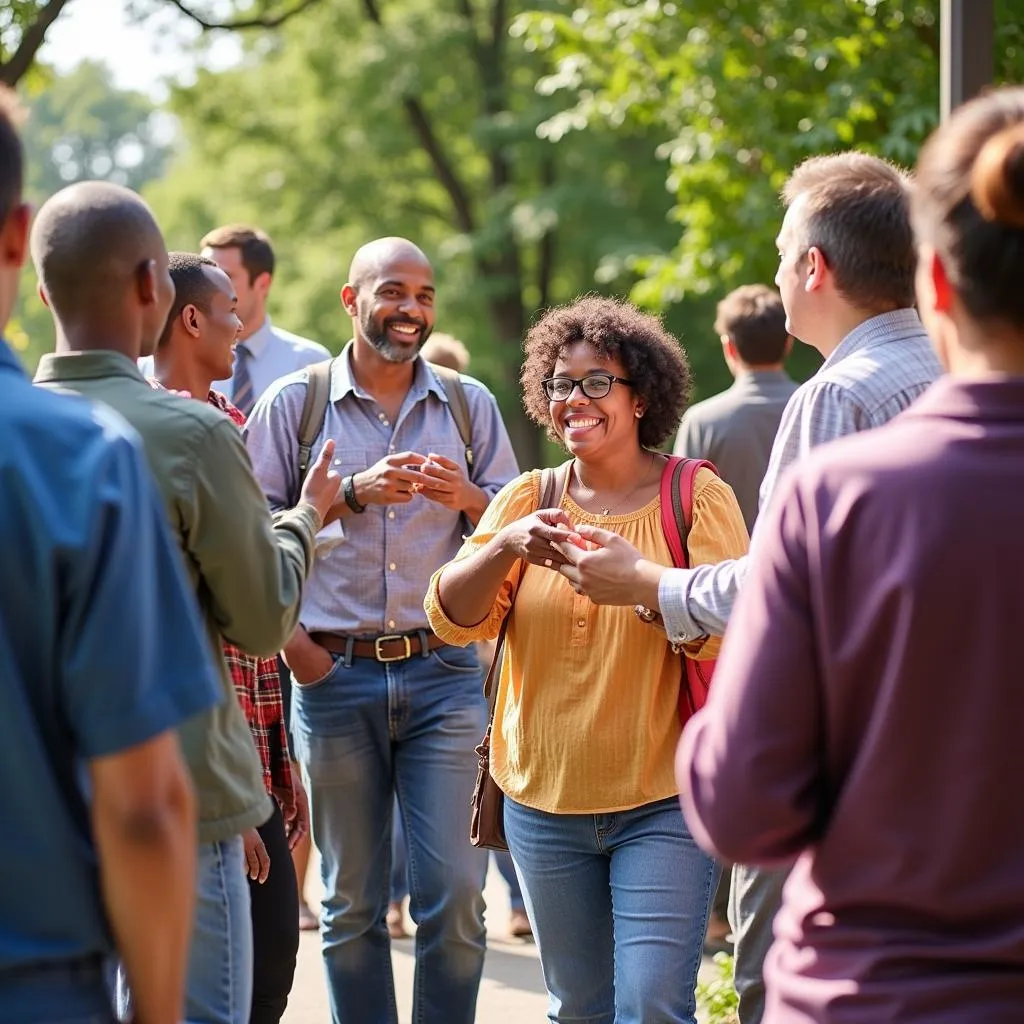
column 619, row 904
column 362, row 734
column 218, row 988
column 58, row 993
column 400, row 868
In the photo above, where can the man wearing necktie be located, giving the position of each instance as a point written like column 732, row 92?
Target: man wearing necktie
column 264, row 352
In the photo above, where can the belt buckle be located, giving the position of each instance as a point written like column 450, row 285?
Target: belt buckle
column 382, row 657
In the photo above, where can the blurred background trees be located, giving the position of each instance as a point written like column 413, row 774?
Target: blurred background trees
column 537, row 149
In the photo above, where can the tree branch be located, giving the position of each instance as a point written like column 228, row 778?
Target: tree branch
column 256, row 21
column 547, row 245
column 476, row 44
column 13, row 70
column 442, row 166
column 499, row 28
column 428, row 140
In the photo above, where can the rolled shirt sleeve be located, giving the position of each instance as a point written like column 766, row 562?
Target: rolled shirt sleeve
column 748, row 765
column 133, row 656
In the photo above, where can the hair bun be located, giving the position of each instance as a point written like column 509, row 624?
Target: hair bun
column 997, row 178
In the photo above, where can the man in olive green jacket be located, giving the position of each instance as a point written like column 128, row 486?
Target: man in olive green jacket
column 102, row 266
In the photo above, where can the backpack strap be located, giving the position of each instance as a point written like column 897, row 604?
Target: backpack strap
column 455, row 390
column 677, row 481
column 552, row 484
column 314, row 409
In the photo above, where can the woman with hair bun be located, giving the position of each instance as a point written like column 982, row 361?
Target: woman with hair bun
column 866, row 720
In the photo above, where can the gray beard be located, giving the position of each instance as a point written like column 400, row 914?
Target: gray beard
column 394, row 354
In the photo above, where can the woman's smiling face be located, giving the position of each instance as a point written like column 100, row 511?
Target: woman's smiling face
column 589, row 426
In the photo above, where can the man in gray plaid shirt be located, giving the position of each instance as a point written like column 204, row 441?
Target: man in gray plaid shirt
column 846, row 275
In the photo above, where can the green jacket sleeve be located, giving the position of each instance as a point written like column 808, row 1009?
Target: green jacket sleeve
column 253, row 566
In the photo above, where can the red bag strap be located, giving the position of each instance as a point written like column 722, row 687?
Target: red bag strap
column 677, row 481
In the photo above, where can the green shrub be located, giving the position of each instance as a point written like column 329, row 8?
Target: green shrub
column 717, row 999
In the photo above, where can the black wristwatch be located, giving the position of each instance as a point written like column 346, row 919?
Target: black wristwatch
column 348, row 488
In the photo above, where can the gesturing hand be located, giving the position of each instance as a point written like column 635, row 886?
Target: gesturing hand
column 392, row 481
column 607, row 568
column 534, row 538
column 320, row 488
column 449, row 484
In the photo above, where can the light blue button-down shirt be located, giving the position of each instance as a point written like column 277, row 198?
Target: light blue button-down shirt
column 876, row 372
column 374, row 581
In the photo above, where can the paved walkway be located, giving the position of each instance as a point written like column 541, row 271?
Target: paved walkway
column 512, row 991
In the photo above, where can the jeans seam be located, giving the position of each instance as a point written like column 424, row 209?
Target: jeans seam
column 221, row 863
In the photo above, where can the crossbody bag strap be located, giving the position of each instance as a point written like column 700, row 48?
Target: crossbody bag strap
column 677, row 480
column 552, row 487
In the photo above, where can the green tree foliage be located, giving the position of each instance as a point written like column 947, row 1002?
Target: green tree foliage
column 741, row 91
column 80, row 126
column 415, row 117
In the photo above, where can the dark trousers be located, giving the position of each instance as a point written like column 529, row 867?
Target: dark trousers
column 275, row 927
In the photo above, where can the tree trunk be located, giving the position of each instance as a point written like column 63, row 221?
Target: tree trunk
column 509, row 327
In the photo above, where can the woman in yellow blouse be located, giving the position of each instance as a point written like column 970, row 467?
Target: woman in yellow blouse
column 587, row 721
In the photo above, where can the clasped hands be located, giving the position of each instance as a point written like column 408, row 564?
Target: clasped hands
column 597, row 563
column 398, row 478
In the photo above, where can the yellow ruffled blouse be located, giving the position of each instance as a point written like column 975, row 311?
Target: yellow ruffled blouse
column 586, row 719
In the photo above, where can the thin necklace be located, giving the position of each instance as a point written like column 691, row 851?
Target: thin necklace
column 622, row 501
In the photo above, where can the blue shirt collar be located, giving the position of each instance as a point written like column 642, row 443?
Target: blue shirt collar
column 881, row 328
column 342, row 381
column 259, row 339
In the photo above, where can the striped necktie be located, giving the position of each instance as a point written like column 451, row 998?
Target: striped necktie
column 241, row 383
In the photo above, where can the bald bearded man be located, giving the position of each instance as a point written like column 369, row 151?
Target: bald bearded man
column 380, row 705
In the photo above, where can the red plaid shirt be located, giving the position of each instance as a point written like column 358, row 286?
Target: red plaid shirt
column 257, row 683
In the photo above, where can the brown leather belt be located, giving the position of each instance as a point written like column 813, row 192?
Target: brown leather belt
column 392, row 647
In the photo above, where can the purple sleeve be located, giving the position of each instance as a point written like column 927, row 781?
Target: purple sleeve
column 749, row 765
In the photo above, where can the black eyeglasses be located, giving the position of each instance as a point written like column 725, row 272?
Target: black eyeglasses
column 594, row 385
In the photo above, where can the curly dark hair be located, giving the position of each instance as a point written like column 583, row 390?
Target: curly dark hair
column 651, row 357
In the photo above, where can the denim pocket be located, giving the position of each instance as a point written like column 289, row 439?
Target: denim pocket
column 316, row 683
column 456, row 659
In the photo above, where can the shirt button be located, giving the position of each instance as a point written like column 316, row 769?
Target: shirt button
column 581, row 623
column 380, row 416
column 391, row 623
column 391, row 514
column 392, row 567
column 391, row 448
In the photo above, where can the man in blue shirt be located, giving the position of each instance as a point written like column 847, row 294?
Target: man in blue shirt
column 101, row 656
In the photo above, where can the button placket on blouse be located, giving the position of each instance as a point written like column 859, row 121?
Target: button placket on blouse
column 581, row 612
